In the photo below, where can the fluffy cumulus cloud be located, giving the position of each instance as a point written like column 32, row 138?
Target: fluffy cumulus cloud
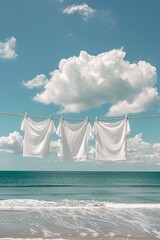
column 88, row 81
column 37, row 82
column 83, row 9
column 11, row 143
column 7, row 48
column 142, row 152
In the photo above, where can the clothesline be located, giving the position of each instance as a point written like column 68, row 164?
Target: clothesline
column 74, row 119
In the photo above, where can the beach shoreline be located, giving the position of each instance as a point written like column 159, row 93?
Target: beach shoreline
column 80, row 206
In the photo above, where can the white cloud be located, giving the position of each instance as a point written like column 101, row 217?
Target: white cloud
column 142, row 152
column 11, row 143
column 37, row 82
column 88, row 81
column 7, row 48
column 86, row 12
column 83, row 9
column 144, row 100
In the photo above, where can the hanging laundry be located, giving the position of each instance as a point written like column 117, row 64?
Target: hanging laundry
column 36, row 141
column 74, row 140
column 111, row 139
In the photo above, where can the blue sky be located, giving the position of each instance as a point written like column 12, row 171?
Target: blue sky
column 52, row 52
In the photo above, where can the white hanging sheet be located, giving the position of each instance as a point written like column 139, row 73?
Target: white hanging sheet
column 36, row 141
column 111, row 140
column 74, row 140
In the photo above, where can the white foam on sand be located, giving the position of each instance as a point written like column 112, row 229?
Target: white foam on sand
column 31, row 204
column 85, row 219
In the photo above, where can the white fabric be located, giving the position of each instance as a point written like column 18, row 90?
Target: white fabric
column 111, row 140
column 74, row 140
column 36, row 141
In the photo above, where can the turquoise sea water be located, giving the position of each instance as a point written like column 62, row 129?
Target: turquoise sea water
column 80, row 205
column 117, row 187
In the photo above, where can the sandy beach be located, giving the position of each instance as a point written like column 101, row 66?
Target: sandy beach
column 71, row 224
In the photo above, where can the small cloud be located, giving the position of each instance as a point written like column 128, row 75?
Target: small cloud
column 84, row 10
column 7, row 48
column 11, row 143
column 70, row 35
column 37, row 82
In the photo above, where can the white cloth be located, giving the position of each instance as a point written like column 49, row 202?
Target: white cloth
column 36, row 141
column 111, row 140
column 74, row 140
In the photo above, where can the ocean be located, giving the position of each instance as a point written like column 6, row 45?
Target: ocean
column 80, row 205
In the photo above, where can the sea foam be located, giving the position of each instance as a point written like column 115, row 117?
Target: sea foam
column 31, row 204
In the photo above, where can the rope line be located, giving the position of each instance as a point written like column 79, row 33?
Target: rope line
column 74, row 119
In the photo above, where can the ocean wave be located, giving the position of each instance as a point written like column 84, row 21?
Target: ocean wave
column 31, row 204
column 81, row 185
column 41, row 186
